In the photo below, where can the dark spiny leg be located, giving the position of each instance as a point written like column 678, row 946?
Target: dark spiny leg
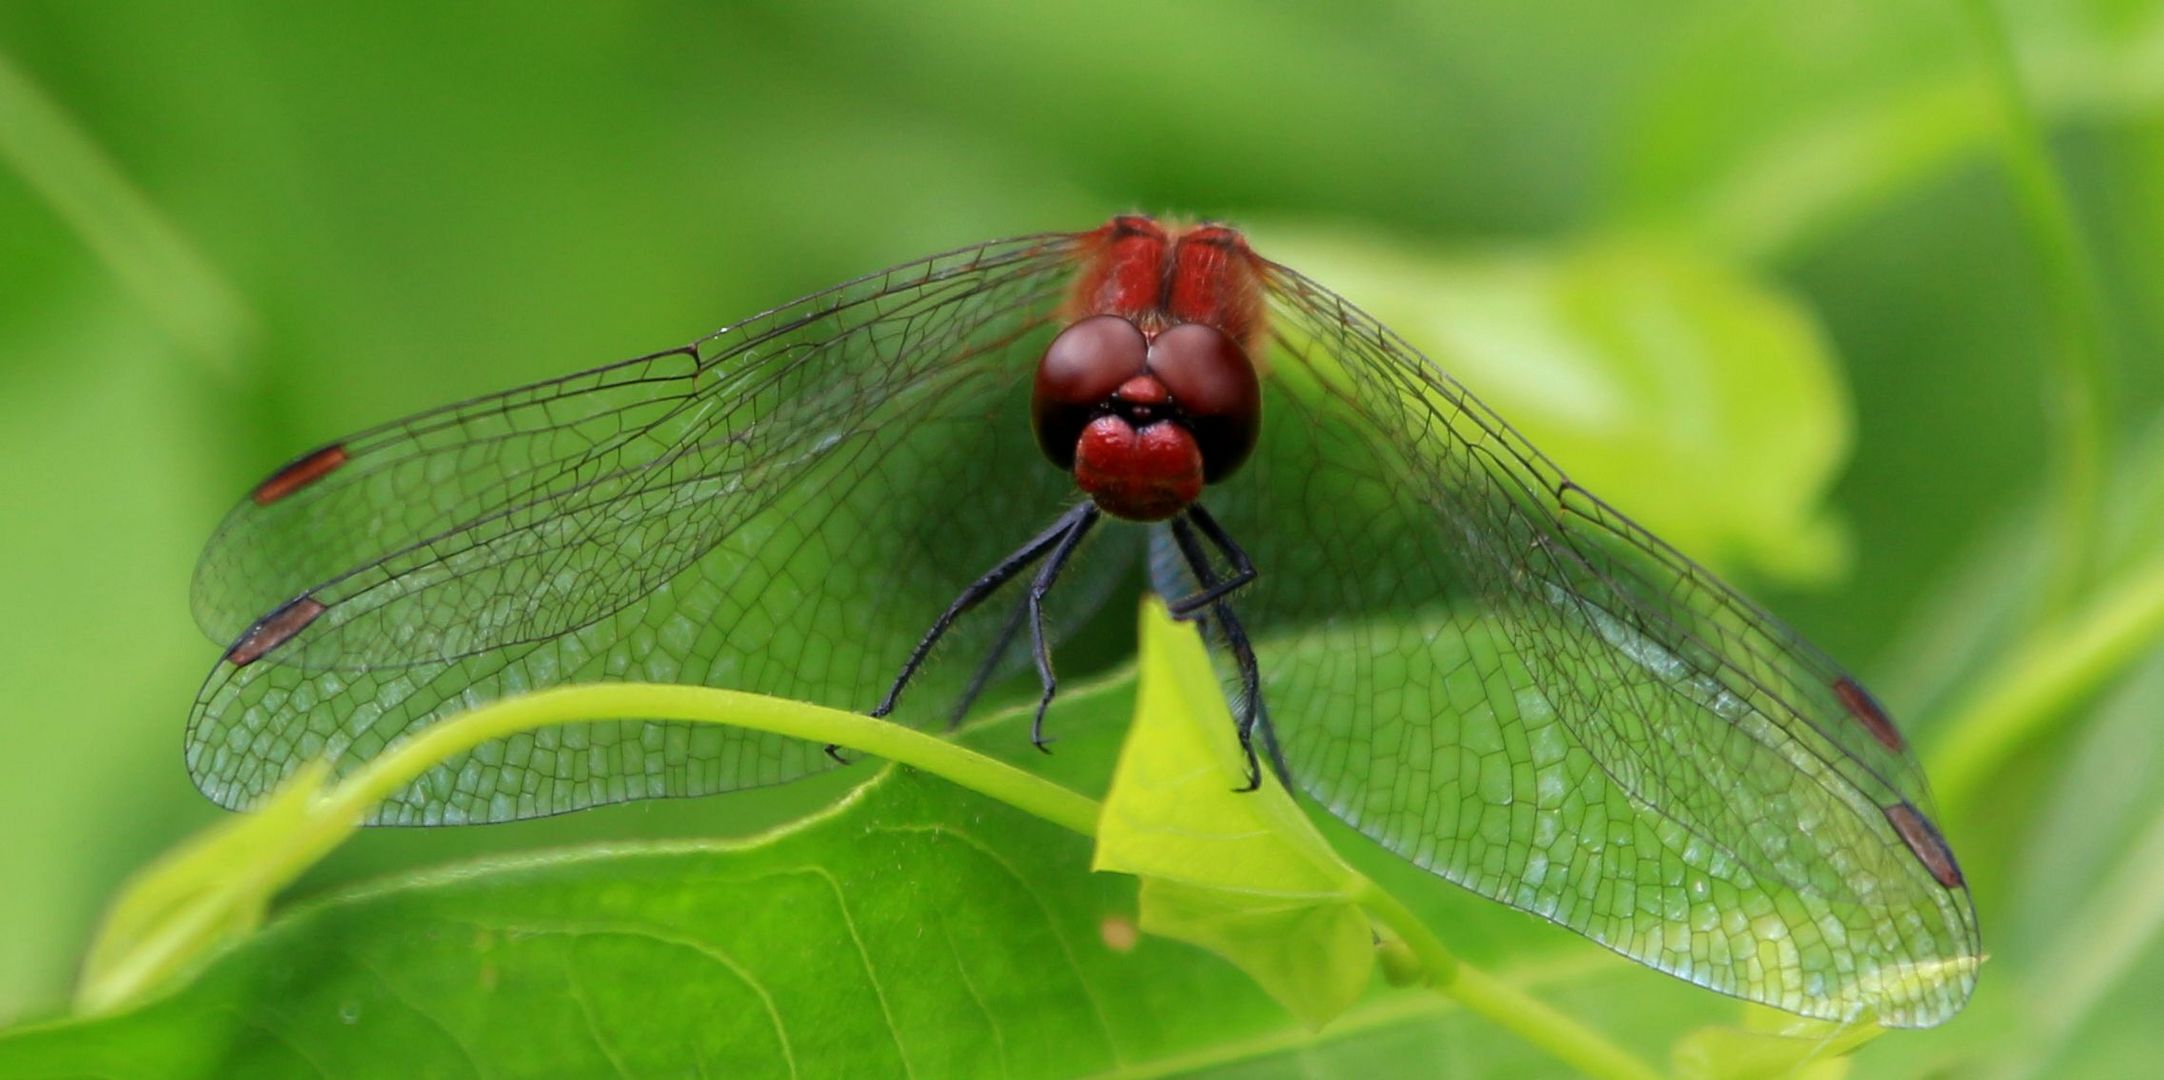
column 1243, row 571
column 980, row 589
column 1270, row 747
column 990, row 665
column 1046, row 575
column 1243, row 656
column 975, row 594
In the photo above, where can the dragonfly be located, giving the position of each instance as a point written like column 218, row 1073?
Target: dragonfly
column 1419, row 619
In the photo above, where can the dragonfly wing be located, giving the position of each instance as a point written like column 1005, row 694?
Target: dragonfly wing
column 1475, row 663
column 781, row 507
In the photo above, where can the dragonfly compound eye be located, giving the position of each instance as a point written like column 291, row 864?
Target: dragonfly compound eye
column 1081, row 369
column 1215, row 389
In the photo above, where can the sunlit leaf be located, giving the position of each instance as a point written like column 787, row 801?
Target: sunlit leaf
column 915, row 928
column 1242, row 874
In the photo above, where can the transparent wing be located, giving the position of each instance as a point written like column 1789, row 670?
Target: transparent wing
column 780, row 507
column 1477, row 664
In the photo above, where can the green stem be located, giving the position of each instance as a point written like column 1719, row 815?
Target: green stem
column 2081, row 362
column 2053, row 672
column 207, row 890
column 1500, row 1003
column 152, row 259
column 1477, row 991
column 170, row 915
column 218, row 885
column 813, row 723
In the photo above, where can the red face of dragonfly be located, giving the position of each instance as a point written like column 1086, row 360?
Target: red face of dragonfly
column 1150, row 394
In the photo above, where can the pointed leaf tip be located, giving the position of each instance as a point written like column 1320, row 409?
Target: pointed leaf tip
column 1242, row 874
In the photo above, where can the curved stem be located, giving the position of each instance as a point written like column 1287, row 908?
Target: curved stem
column 1477, row 991
column 187, row 920
column 1504, row 1005
column 2081, row 361
column 218, row 885
column 152, row 258
column 2045, row 679
column 696, row 704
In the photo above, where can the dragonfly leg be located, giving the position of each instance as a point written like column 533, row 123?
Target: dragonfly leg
column 990, row 665
column 1006, row 570
column 1243, row 654
column 1046, row 575
column 1243, row 570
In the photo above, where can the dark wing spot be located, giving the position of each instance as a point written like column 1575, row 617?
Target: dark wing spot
column 299, row 473
column 1866, row 709
column 273, row 630
column 1923, row 838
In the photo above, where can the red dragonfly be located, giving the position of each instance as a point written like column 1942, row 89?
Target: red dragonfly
column 1422, row 622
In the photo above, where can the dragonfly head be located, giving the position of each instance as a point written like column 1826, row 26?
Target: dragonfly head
column 1145, row 420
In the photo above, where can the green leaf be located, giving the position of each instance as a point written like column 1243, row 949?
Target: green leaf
column 1634, row 364
column 1243, row 874
column 1246, row 875
column 916, row 926
column 218, row 885
column 214, row 890
column 803, row 952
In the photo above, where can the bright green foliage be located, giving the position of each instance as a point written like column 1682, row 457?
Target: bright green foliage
column 207, row 893
column 1242, row 874
column 800, row 953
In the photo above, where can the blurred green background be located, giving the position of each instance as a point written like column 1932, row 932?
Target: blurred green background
column 1779, row 278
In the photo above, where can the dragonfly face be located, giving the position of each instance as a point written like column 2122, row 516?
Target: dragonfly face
column 1425, row 624
column 1150, row 393
column 1143, row 421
